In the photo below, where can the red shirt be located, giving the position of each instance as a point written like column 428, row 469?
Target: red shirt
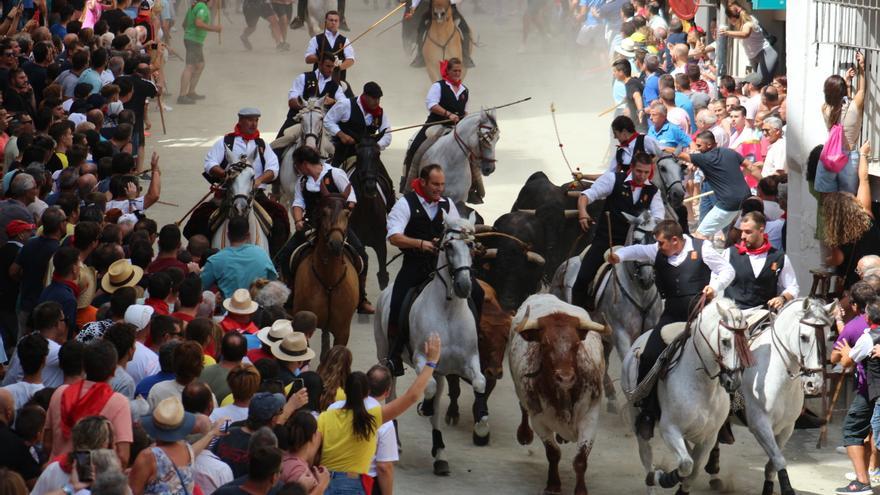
column 164, row 263
column 183, row 316
column 255, row 355
column 158, row 305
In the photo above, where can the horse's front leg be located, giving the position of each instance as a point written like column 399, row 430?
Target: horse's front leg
column 759, row 425
column 481, row 414
column 438, row 448
column 381, row 258
column 699, row 454
column 675, row 441
column 452, row 412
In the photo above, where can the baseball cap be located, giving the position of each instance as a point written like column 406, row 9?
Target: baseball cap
column 139, row 315
column 264, row 406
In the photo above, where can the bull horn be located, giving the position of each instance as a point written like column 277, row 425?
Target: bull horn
column 573, row 194
column 530, row 212
column 535, row 258
column 523, row 324
column 490, row 254
column 588, row 324
column 571, row 213
column 482, row 228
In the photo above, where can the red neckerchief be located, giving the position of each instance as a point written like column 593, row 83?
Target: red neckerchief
column 228, row 325
column 741, row 247
column 633, row 185
column 417, row 187
column 159, row 305
column 444, row 73
column 74, row 407
column 376, row 112
column 631, row 139
column 246, row 137
column 72, row 285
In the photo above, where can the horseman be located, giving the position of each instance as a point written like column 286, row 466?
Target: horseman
column 313, row 84
column 425, row 23
column 624, row 191
column 318, row 178
column 629, row 143
column 351, row 118
column 447, row 100
column 301, row 15
column 685, row 268
column 764, row 274
column 415, row 226
column 330, row 41
column 243, row 141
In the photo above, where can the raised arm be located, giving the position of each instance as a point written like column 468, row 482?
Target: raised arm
column 399, row 405
column 864, row 193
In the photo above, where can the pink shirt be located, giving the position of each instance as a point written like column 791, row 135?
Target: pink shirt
column 296, row 470
column 679, row 117
column 117, row 410
column 91, row 16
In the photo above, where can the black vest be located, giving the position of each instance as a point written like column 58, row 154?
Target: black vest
column 420, row 225
column 749, row 291
column 312, row 199
column 872, row 368
column 449, row 102
column 324, row 46
column 685, row 280
column 619, row 202
column 638, row 148
column 357, row 124
column 311, row 87
column 228, row 141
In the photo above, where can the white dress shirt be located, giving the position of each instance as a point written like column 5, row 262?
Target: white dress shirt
column 722, row 272
column 786, row 281
column 435, row 91
column 400, row 214
column 312, row 49
column 774, row 162
column 339, row 179
column 737, row 138
column 604, row 185
column 341, row 112
column 299, row 85
column 241, row 147
column 652, row 147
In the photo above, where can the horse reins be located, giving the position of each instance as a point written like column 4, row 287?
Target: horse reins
column 737, row 331
column 780, row 348
column 443, row 246
column 484, row 142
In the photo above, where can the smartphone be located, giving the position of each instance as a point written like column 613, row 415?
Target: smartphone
column 84, row 469
column 298, row 384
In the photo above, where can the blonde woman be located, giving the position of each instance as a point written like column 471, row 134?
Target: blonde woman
column 762, row 57
column 333, row 370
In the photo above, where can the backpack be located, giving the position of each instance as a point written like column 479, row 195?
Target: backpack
column 834, row 157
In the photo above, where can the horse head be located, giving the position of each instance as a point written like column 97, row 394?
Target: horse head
column 641, row 231
column 441, row 11
column 456, row 244
column 805, row 346
column 333, row 219
column 487, row 137
column 240, row 182
column 368, row 163
column 311, row 119
column 670, row 175
column 725, row 342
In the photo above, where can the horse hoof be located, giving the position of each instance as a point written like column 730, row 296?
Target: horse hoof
column 524, row 435
column 680, row 491
column 426, row 408
column 716, row 484
column 452, row 416
column 441, row 468
column 481, row 441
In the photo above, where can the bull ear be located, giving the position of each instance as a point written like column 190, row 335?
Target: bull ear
column 531, row 335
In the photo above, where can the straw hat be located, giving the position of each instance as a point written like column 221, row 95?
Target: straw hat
column 88, row 285
column 627, row 48
column 293, row 348
column 121, row 274
column 240, row 303
column 169, row 422
column 276, row 332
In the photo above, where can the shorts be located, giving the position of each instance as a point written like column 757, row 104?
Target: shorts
column 857, row 423
column 847, row 180
column 875, row 422
column 283, row 9
column 255, row 9
column 716, row 220
column 194, row 53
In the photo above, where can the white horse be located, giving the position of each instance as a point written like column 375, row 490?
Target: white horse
column 786, row 354
column 239, row 199
column 694, row 393
column 308, row 132
column 464, row 153
column 315, row 15
column 441, row 307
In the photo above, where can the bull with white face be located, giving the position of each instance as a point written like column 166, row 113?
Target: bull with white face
column 556, row 362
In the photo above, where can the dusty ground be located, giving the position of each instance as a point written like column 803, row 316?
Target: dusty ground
column 548, row 72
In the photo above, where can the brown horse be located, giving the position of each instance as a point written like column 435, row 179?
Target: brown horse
column 443, row 40
column 326, row 281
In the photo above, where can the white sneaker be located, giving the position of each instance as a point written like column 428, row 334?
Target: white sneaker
column 873, row 474
column 167, row 108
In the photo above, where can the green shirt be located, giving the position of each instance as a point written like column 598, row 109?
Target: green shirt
column 201, row 12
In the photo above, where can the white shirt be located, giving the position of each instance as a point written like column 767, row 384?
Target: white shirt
column 400, row 214
column 604, row 185
column 862, row 348
column 737, row 138
column 386, row 444
column 774, row 162
column 786, row 281
column 107, row 77
column 773, row 229
column 144, row 363
column 233, row 412
column 210, row 473
column 164, row 390
column 299, row 85
column 722, row 138
column 435, row 91
column 52, row 478
column 52, row 374
column 415, row 3
column 652, row 147
column 22, row 392
column 752, row 104
column 722, row 272
column 312, row 49
column 241, row 147
column 339, row 179
column 772, row 210
column 341, row 112
column 126, row 205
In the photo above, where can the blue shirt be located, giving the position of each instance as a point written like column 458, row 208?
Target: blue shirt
column 236, row 267
column 92, row 78
column 652, row 89
column 669, row 136
column 684, row 102
column 143, row 388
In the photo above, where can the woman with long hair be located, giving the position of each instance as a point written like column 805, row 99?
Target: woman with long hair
column 840, row 108
column 350, row 432
column 333, row 370
column 762, row 57
column 303, row 443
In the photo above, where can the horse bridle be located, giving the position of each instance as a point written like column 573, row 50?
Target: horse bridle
column 236, row 169
column 667, row 188
column 307, row 135
column 484, row 142
column 444, row 245
column 779, row 346
column 739, row 332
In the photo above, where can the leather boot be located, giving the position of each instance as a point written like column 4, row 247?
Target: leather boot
column 365, row 307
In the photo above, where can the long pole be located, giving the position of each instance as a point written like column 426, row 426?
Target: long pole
column 558, row 139
column 611, row 249
column 698, row 196
column 380, row 21
column 609, row 110
column 450, row 121
column 220, row 22
column 210, row 191
column 161, row 112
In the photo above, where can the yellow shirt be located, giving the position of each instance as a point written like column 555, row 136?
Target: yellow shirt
column 341, row 450
column 208, row 360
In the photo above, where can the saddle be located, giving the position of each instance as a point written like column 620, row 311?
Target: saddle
column 432, row 134
column 665, row 362
column 287, row 138
column 599, row 282
column 386, row 188
column 306, row 248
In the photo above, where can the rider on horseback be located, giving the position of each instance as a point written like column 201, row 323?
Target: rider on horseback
column 355, row 117
column 243, row 141
column 315, row 177
column 314, row 84
column 330, row 41
column 425, row 23
column 415, row 225
column 684, row 267
column 623, row 192
column 300, row 19
column 447, row 100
